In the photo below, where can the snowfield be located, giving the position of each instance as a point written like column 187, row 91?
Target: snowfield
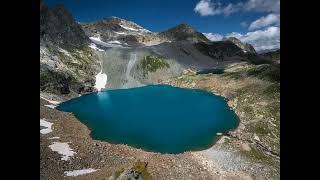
column 63, row 149
column 79, row 172
column 46, row 124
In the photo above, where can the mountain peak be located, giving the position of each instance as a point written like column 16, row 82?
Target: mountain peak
column 232, row 39
column 185, row 26
column 58, row 26
column 184, row 32
column 244, row 46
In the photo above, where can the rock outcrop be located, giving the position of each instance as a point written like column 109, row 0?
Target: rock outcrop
column 67, row 64
column 58, row 26
column 246, row 48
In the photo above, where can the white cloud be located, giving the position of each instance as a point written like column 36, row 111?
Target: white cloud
column 213, row 36
column 262, row 5
column 260, row 39
column 205, row 8
column 208, row 7
column 271, row 19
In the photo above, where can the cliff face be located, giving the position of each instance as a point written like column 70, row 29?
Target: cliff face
column 67, row 64
column 58, row 26
column 246, row 48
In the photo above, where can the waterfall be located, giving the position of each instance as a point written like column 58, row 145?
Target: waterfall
column 101, row 79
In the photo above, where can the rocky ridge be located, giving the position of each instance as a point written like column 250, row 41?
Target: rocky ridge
column 116, row 29
column 67, row 64
column 246, row 48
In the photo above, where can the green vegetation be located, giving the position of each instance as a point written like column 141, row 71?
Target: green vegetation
column 275, row 55
column 258, row 156
column 266, row 72
column 141, row 168
column 152, row 63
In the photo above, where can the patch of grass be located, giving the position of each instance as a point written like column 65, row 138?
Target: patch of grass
column 248, row 110
column 234, row 75
column 266, row 72
column 258, row 128
column 152, row 63
column 258, row 156
column 141, row 168
column 272, row 91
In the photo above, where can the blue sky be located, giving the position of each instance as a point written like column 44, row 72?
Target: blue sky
column 215, row 17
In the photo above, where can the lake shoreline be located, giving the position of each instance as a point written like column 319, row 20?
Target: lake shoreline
column 99, row 155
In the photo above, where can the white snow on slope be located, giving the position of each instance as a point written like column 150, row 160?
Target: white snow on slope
column 141, row 29
column 97, row 40
column 54, row 138
column 79, row 172
column 101, row 81
column 114, row 42
column 63, row 149
column 46, row 124
column 120, row 33
column 128, row 28
column 50, row 106
column 50, row 101
column 93, row 46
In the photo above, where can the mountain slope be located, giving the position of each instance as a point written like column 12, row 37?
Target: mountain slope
column 67, row 64
column 117, row 29
column 58, row 26
column 183, row 32
column 246, row 48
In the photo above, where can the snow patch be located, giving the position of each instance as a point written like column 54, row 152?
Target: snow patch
column 120, row 33
column 93, row 46
column 128, row 28
column 50, row 101
column 114, row 42
column 97, row 40
column 79, row 172
column 54, row 138
column 46, row 124
column 63, row 149
column 101, row 81
column 51, row 106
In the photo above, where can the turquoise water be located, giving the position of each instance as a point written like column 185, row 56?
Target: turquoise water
column 158, row 118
